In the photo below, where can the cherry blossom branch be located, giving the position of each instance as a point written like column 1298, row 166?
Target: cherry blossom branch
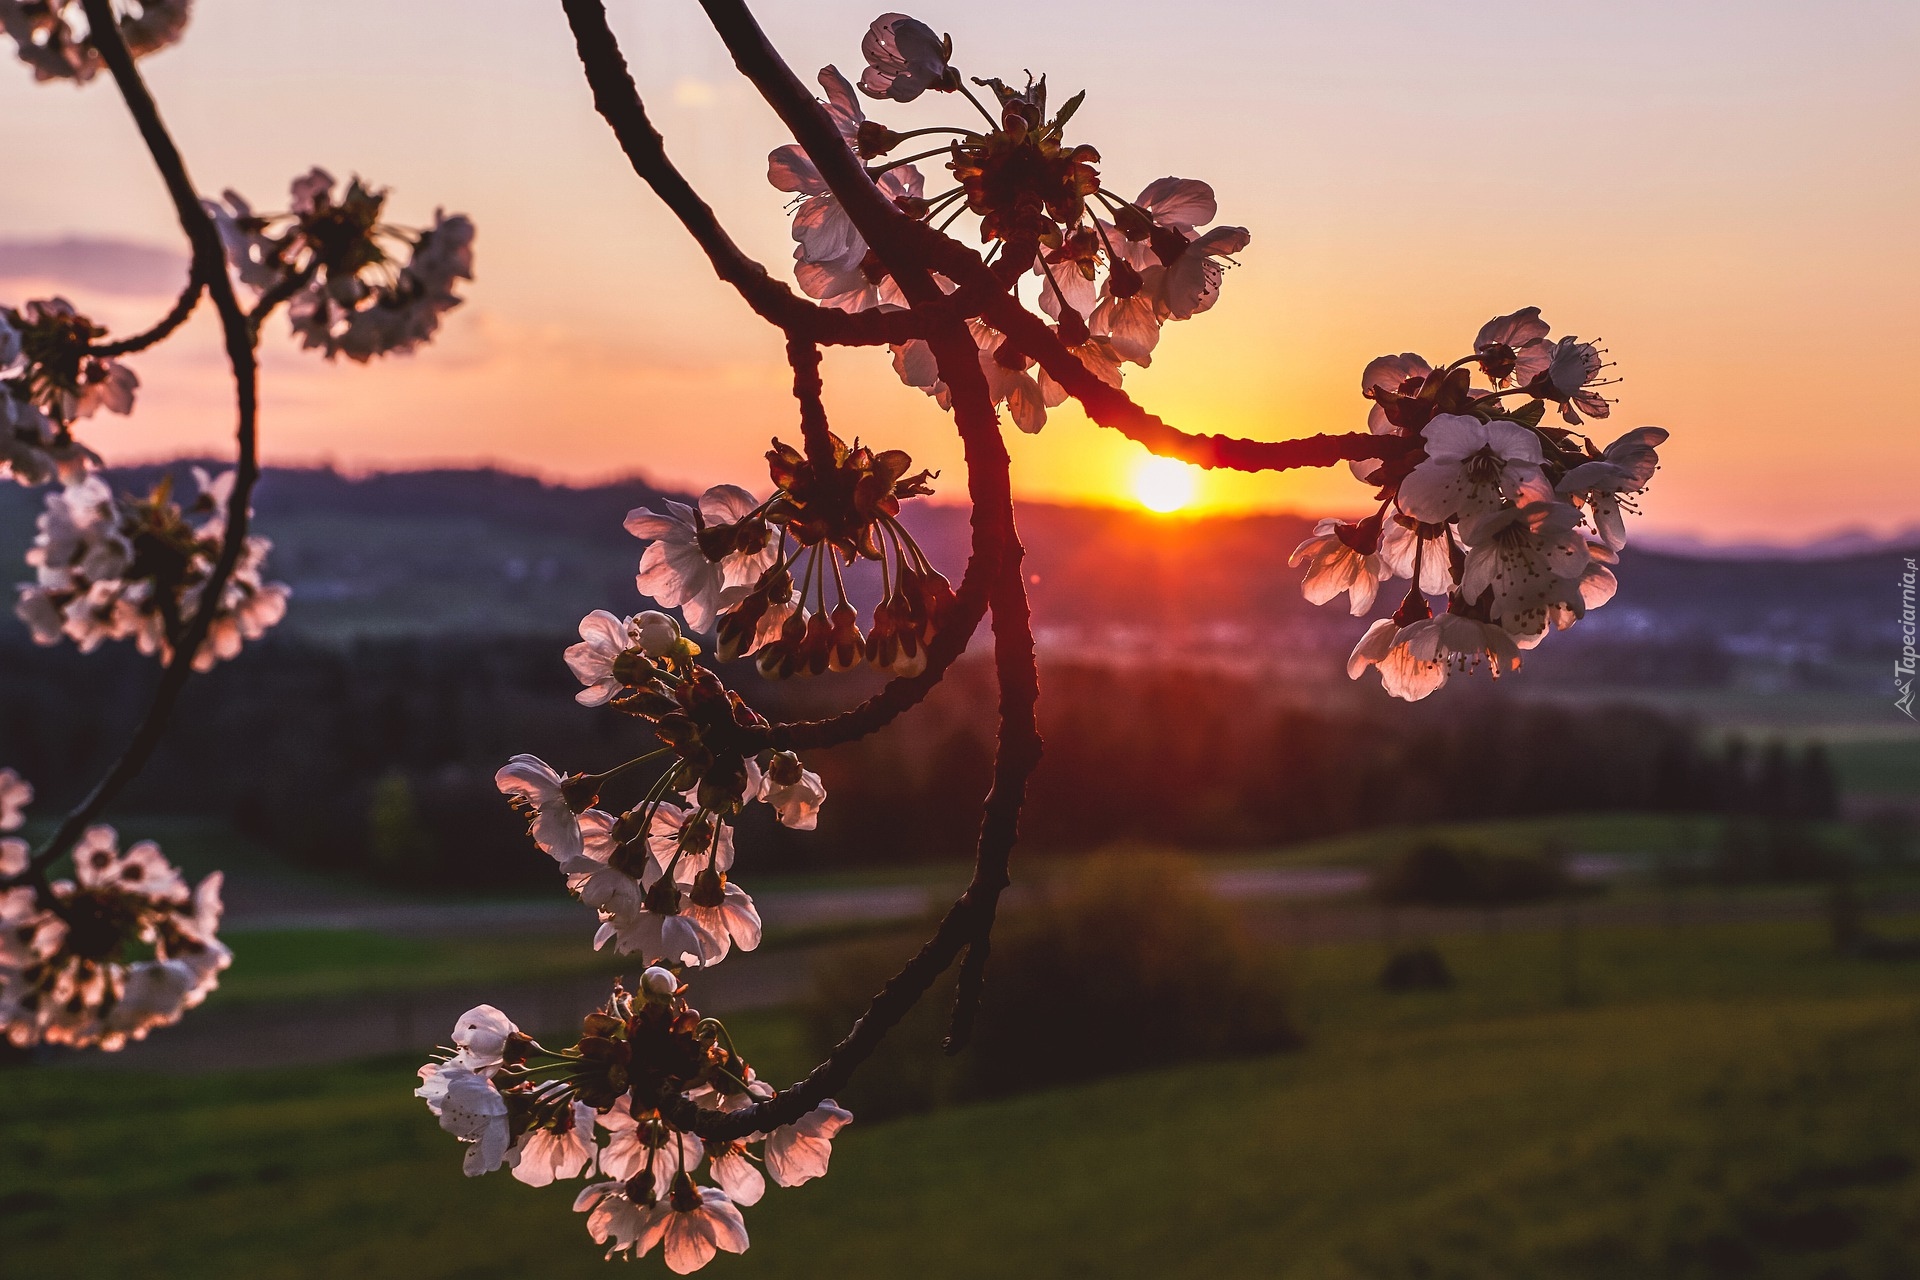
column 890, row 233
column 210, row 269
column 617, row 99
column 969, row 920
column 910, row 249
column 189, row 299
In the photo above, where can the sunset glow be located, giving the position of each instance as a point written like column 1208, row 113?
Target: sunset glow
column 1165, row 484
column 563, row 361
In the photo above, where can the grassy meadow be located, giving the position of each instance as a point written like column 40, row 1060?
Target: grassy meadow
column 1713, row 1100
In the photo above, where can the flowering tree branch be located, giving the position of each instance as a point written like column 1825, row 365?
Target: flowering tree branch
column 617, row 100
column 210, row 272
column 119, row 944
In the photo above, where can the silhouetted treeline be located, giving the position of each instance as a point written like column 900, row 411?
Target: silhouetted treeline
column 380, row 757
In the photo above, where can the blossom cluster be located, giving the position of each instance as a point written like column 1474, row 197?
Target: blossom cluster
column 117, row 566
column 769, row 577
column 1108, row 272
column 339, row 267
column 1514, row 520
column 107, row 956
column 51, row 35
column 657, row 873
column 50, row 376
column 640, row 1058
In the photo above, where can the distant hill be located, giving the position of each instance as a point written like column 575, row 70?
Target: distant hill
column 483, row 552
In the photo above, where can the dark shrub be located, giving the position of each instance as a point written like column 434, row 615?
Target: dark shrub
column 1125, row 962
column 1420, row 968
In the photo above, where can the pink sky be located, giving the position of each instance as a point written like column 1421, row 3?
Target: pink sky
column 1724, row 194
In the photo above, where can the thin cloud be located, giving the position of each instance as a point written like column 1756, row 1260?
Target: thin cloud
column 95, row 264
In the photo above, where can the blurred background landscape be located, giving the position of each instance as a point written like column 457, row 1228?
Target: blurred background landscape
column 1607, row 969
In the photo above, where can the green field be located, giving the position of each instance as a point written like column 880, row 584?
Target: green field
column 1727, row 1100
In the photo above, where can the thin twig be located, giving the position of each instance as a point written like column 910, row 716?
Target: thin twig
column 210, row 267
column 189, row 299
column 617, row 100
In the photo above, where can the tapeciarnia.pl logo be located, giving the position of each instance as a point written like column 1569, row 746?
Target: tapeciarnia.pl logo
column 1903, row 666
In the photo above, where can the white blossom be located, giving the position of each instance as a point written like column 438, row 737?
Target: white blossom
column 798, row 1152
column 1574, row 370
column 1513, row 348
column 472, row 1110
column 1405, row 541
column 1334, row 566
column 564, row 1149
column 648, row 1145
column 677, row 570
column 1527, row 558
column 700, row 1221
column 1384, row 647
column 534, row 787
column 1473, row 467
column 16, row 793
column 1602, row 485
column 904, row 58
column 795, row 793
column 618, row 1221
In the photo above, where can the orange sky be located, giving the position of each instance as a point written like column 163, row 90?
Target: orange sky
column 1725, row 194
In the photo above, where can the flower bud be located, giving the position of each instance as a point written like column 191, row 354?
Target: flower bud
column 657, row 635
column 659, row 984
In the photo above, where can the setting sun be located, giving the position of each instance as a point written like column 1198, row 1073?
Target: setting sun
column 1165, row 484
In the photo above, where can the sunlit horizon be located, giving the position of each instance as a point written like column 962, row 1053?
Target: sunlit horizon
column 1743, row 254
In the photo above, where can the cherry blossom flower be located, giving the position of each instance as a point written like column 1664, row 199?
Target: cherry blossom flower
column 832, row 262
column 1335, row 565
column 700, row 1222
column 1512, row 350
column 695, row 560
column 1471, row 468
column 799, row 1152
column 646, row 1145
column 1573, row 371
column 535, row 789
column 904, row 59
column 59, row 373
column 1594, row 587
column 1192, row 282
column 1604, row 485
column 65, row 984
column 1518, row 558
column 617, row 1220
column 685, row 835
column 338, row 265
column 604, row 638
column 795, row 793
column 118, row 567
column 472, row 1110
column 481, row 1036
column 1414, row 660
column 1385, row 647
column 561, row 1148
column 1405, row 542
column 16, row 793
column 724, row 914
column 733, row 1169
column 50, row 43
